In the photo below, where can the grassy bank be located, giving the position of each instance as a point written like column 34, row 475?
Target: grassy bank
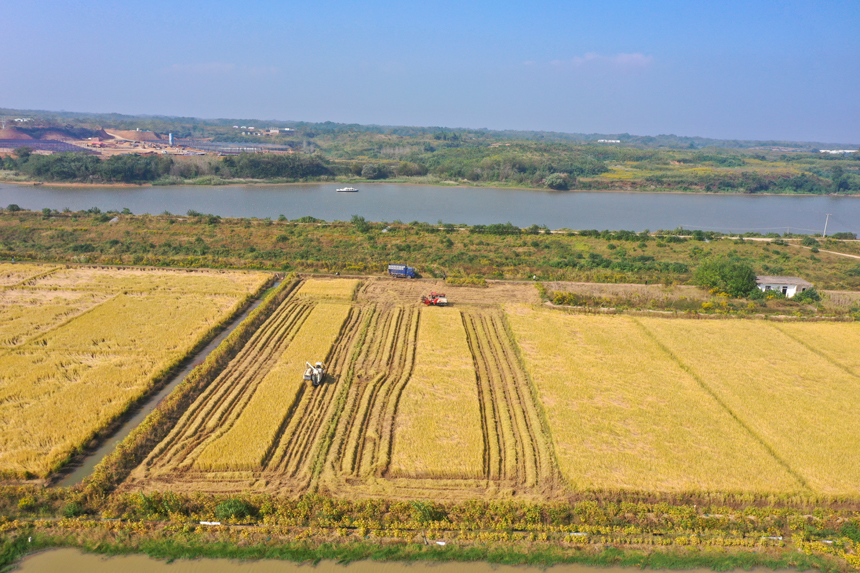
column 170, row 546
column 361, row 247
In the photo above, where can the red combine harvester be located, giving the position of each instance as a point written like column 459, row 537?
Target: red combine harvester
column 435, row 299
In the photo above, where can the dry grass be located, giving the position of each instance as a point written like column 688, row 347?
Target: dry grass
column 338, row 289
column 15, row 273
column 438, row 426
column 796, row 401
column 245, row 444
column 624, row 415
column 634, row 293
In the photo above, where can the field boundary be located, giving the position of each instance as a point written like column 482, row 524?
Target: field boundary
column 818, row 353
column 133, row 450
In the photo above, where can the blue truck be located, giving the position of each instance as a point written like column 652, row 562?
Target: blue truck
column 401, row 271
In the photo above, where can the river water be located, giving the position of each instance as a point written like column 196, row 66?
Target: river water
column 470, row 205
column 74, row 561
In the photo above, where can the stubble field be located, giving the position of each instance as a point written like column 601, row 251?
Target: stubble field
column 496, row 399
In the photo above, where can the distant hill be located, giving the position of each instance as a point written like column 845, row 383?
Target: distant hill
column 189, row 127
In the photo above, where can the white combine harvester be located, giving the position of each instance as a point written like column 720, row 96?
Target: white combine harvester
column 315, row 374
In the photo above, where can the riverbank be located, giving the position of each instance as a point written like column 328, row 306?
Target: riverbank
column 406, row 181
column 360, row 556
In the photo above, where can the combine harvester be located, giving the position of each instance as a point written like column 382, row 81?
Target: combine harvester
column 435, row 299
column 315, row 374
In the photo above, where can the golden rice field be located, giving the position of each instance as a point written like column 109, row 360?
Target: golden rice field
column 803, row 406
column 624, row 414
column 494, row 400
column 73, row 358
column 438, row 427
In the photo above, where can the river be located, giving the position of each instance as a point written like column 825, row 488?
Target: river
column 470, row 205
column 74, row 561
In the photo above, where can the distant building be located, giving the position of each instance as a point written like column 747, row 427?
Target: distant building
column 836, row 151
column 608, row 141
column 789, row 286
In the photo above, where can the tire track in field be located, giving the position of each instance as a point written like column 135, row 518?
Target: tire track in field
column 491, row 419
column 222, row 401
column 402, row 365
column 364, row 437
column 360, row 407
column 301, row 439
column 346, row 445
column 723, row 404
column 524, row 456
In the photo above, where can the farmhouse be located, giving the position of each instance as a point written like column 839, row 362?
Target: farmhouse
column 789, row 286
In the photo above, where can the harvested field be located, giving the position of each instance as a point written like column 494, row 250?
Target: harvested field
column 516, row 451
column 509, row 454
column 624, row 415
column 259, row 424
column 72, row 361
column 249, row 443
column 27, row 313
column 145, row 280
column 406, row 412
column 16, row 273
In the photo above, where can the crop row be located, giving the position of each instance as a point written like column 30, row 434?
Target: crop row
column 516, row 449
column 225, row 398
column 248, row 443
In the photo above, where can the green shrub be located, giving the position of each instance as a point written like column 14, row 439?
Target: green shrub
column 72, row 509
column 809, row 295
column 557, row 181
column 733, row 277
column 233, row 509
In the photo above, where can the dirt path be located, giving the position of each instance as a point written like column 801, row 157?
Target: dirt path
column 404, row 291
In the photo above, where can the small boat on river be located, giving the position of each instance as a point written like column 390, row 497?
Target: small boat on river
column 348, row 190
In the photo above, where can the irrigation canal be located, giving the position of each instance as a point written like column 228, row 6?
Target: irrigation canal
column 471, row 205
column 84, row 467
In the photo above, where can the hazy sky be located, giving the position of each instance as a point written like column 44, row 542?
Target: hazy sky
column 726, row 69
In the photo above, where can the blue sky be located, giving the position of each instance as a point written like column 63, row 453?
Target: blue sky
column 726, row 69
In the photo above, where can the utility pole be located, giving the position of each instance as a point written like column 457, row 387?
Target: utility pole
column 824, row 235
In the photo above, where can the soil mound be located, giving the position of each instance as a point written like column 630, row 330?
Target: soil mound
column 56, row 135
column 134, row 135
column 12, row 133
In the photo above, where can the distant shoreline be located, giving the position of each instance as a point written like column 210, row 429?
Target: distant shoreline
column 247, row 183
